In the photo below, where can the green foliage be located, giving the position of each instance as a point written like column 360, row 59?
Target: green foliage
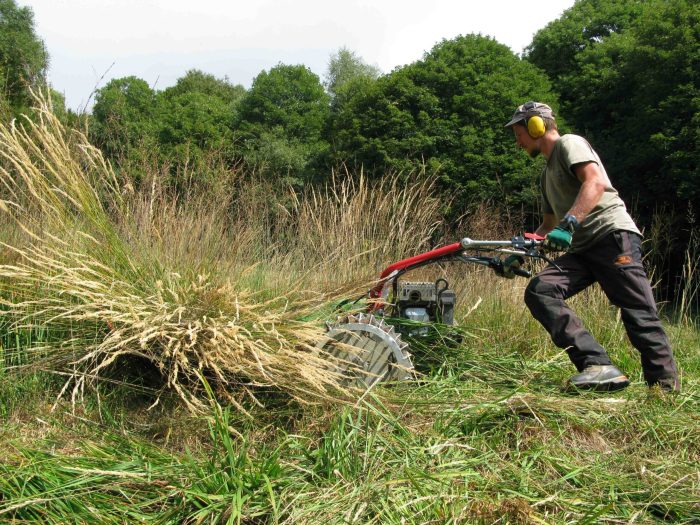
column 278, row 155
column 23, row 58
column 634, row 91
column 446, row 111
column 124, row 115
column 281, row 119
column 345, row 69
column 195, row 118
column 196, row 81
column 179, row 126
column 233, row 484
column 555, row 47
column 190, row 127
column 288, row 96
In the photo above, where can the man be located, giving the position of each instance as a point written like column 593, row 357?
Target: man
column 584, row 216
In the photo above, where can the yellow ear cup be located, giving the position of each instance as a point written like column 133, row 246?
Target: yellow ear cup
column 535, row 127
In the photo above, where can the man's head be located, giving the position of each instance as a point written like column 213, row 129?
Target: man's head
column 530, row 122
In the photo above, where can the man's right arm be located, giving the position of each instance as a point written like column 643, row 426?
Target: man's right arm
column 549, row 221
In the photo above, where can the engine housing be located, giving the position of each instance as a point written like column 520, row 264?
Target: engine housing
column 427, row 302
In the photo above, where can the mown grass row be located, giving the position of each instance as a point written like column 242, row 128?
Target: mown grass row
column 485, row 436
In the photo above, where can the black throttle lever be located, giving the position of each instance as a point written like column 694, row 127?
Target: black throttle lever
column 521, row 272
column 496, row 263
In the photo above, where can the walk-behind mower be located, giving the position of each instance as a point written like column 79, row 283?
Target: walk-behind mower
column 369, row 343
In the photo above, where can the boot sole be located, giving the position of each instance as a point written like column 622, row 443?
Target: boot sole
column 610, row 385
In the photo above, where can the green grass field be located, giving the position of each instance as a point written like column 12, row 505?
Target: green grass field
column 157, row 367
column 486, row 436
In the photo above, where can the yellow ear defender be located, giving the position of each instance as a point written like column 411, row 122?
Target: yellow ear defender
column 535, row 124
column 535, row 127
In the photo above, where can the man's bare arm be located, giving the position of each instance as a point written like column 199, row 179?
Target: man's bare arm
column 593, row 186
column 549, row 221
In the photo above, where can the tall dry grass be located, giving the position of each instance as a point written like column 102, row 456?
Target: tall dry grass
column 351, row 228
column 329, row 237
column 232, row 286
column 103, row 298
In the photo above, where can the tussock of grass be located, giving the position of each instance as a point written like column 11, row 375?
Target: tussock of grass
column 104, row 301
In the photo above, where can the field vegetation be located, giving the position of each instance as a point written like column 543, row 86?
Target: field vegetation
column 169, row 259
column 159, row 364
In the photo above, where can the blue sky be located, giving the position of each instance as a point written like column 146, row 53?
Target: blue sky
column 93, row 41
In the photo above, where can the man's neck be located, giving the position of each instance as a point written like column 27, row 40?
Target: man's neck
column 548, row 142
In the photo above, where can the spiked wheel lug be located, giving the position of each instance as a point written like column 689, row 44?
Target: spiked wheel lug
column 367, row 350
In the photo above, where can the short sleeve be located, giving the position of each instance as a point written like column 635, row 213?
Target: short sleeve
column 577, row 150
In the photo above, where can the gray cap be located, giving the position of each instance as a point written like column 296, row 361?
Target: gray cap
column 530, row 109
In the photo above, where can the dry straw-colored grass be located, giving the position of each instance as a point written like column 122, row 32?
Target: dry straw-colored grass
column 329, row 238
column 102, row 298
column 232, row 288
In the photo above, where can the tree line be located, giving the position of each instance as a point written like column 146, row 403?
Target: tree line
column 622, row 72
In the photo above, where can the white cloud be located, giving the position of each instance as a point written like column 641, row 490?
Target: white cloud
column 159, row 40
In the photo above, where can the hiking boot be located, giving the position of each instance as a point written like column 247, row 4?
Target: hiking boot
column 667, row 384
column 600, row 378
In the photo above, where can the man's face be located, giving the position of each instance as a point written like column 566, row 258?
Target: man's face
column 525, row 141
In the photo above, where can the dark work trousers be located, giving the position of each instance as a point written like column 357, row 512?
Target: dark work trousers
column 614, row 262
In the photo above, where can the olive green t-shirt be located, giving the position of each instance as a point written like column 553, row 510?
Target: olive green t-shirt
column 560, row 186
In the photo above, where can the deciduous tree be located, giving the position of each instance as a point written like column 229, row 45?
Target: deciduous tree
column 198, row 113
column 346, row 68
column 125, row 117
column 447, row 112
column 634, row 90
column 23, row 58
column 281, row 119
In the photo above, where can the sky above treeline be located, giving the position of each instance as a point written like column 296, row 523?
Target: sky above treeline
column 93, row 41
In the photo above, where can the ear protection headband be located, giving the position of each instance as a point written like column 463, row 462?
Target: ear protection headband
column 535, row 124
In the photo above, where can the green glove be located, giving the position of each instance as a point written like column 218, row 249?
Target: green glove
column 559, row 239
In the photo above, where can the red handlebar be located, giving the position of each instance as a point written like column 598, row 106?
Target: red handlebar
column 450, row 249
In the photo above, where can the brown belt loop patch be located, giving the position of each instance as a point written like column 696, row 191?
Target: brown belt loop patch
column 623, row 259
